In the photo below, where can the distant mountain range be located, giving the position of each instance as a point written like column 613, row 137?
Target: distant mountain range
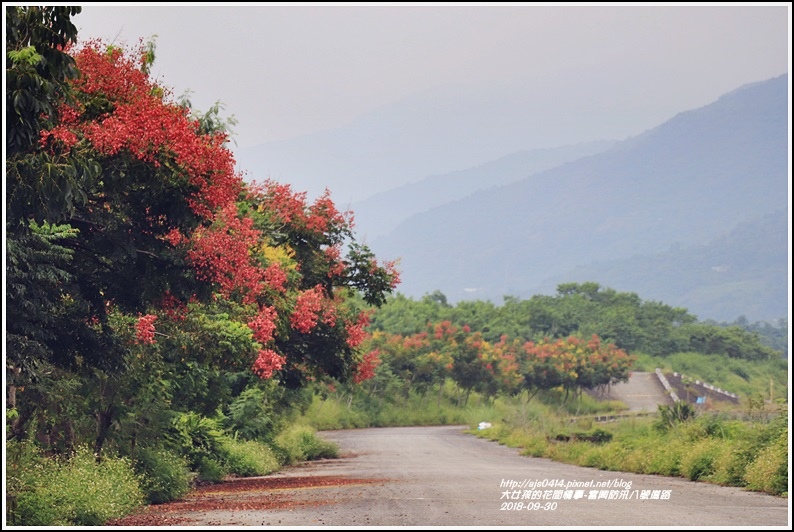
column 742, row 273
column 665, row 214
column 381, row 213
column 451, row 127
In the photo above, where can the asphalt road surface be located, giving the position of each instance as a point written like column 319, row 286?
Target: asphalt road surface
column 442, row 477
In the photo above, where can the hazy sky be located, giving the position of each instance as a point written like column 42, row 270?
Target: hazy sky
column 286, row 70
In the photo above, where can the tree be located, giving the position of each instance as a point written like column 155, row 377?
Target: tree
column 164, row 254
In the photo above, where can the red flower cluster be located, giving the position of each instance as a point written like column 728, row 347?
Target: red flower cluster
column 175, row 237
column 220, row 254
column 290, row 207
column 264, row 324
column 324, row 216
column 393, row 273
column 286, row 205
column 444, row 329
column 275, row 277
column 366, row 369
column 121, row 115
column 336, row 265
column 267, row 362
column 144, row 329
column 307, row 310
column 173, row 308
column 144, row 125
column 355, row 331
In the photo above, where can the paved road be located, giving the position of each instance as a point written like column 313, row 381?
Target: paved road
column 439, row 476
column 642, row 392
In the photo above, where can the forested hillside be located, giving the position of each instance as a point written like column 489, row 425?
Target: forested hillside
column 685, row 184
column 736, row 274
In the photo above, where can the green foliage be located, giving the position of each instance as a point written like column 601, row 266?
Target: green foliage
column 36, row 273
column 732, row 341
column 248, row 415
column 768, row 472
column 210, row 470
column 165, row 475
column 201, row 440
column 581, row 309
column 36, row 69
column 329, row 413
column 250, row 458
column 404, row 316
column 670, row 416
column 210, row 121
column 26, row 468
column 665, row 457
column 773, row 335
column 698, row 462
column 712, row 447
column 299, row 442
column 76, row 491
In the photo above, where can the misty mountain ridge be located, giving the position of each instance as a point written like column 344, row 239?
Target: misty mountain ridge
column 448, row 128
column 382, row 212
column 737, row 274
column 687, row 182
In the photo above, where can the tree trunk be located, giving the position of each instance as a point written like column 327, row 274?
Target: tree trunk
column 104, row 420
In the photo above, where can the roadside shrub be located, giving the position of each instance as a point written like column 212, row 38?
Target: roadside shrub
column 570, row 453
column 614, row 455
column 536, row 446
column 165, row 475
column 26, row 468
column 210, row 470
column 329, row 413
column 730, row 465
column 248, row 417
column 531, row 444
column 506, row 435
column 200, row 439
column 80, row 492
column 769, row 471
column 639, row 458
column 670, row 416
column 593, row 457
column 665, row 459
column 250, row 458
column 299, row 442
column 698, row 461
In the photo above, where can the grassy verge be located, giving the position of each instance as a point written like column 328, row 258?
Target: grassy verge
column 76, row 490
column 710, row 448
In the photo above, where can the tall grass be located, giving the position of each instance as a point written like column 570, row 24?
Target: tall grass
column 249, row 458
column 300, row 442
column 711, row 447
column 357, row 410
column 70, row 491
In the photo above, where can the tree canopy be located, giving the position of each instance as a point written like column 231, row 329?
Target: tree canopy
column 135, row 248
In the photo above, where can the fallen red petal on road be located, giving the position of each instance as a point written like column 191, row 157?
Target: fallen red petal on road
column 238, row 494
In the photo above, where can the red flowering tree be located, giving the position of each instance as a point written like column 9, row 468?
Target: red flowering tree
column 573, row 364
column 232, row 276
